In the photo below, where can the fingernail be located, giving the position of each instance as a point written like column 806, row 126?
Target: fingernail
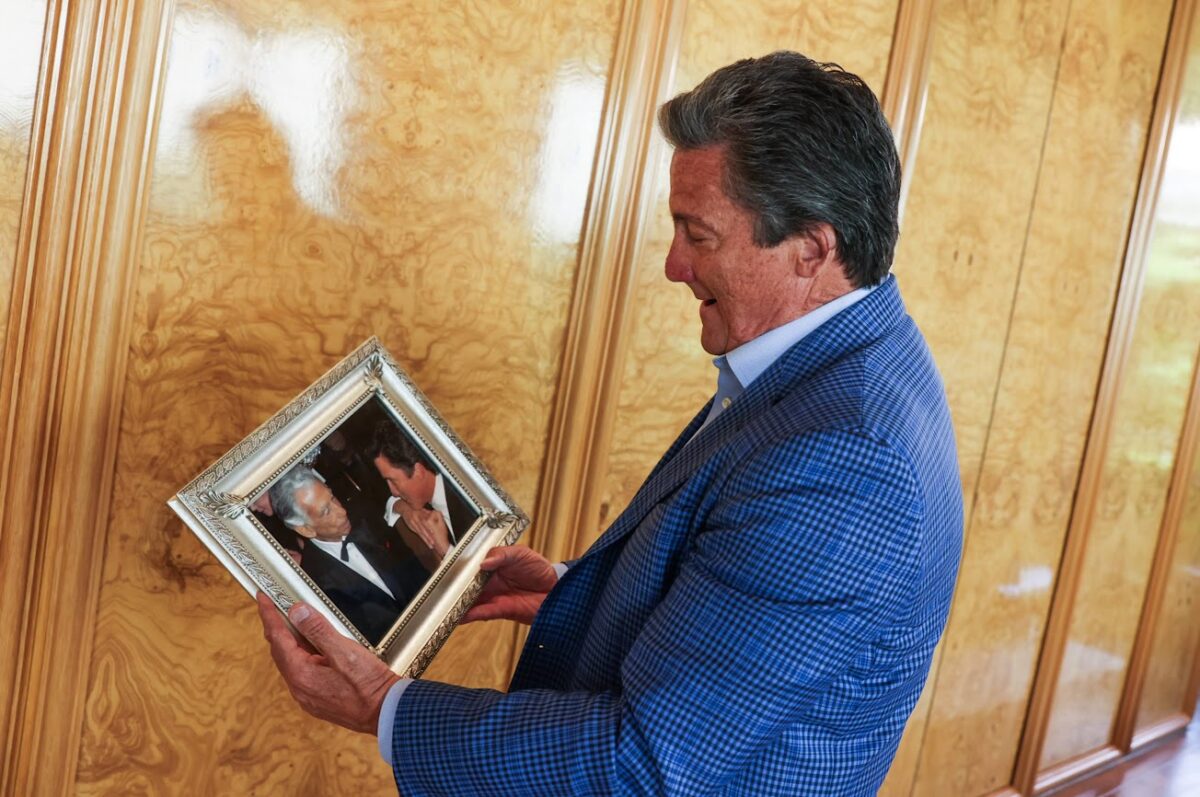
column 299, row 613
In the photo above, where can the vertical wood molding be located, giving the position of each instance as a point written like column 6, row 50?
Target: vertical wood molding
column 621, row 196
column 907, row 83
column 64, row 367
column 1025, row 776
column 1125, row 730
column 1192, row 694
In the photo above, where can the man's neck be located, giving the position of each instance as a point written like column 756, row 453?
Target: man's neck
column 825, row 286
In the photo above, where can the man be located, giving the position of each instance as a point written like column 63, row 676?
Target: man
column 349, row 473
column 760, row 619
column 436, row 514
column 366, row 574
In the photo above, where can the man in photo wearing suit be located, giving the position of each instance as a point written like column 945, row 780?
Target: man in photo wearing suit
column 356, row 562
column 761, row 618
column 429, row 508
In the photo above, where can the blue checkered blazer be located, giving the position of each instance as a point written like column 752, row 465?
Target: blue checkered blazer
column 759, row 621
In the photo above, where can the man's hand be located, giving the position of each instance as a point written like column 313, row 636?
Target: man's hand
column 332, row 677
column 428, row 524
column 520, row 581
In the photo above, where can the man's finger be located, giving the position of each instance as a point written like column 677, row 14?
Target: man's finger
column 421, row 526
column 498, row 557
column 291, row 654
column 476, row 613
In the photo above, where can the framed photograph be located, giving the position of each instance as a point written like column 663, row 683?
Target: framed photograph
column 358, row 499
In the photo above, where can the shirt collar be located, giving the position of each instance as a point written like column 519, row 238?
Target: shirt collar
column 438, row 501
column 334, row 548
column 748, row 361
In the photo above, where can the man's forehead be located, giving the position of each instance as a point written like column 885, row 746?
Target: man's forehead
column 312, row 493
column 697, row 173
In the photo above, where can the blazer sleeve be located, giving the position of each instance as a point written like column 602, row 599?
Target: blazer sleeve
column 807, row 553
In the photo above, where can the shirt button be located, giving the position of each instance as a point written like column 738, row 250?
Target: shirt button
column 725, row 402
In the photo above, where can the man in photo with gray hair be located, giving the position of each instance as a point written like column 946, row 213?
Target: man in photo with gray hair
column 358, row 564
column 761, row 618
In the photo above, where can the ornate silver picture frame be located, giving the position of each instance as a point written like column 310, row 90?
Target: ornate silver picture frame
column 358, row 499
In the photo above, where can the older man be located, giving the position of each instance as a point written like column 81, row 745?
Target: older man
column 760, row 619
column 361, row 567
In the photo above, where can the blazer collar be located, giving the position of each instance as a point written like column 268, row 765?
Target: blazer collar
column 854, row 328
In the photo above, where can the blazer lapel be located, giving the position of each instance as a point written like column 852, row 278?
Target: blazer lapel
column 857, row 326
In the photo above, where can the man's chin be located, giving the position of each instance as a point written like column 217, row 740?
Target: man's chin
column 713, row 344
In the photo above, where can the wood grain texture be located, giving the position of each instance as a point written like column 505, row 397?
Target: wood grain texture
column 1167, row 689
column 1138, row 464
column 1131, row 497
column 667, row 377
column 20, row 55
column 1026, row 775
column 325, row 172
column 1069, row 265
column 989, row 88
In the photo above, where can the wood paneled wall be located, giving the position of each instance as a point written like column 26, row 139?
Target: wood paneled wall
column 325, row 172
column 1013, row 283
column 206, row 203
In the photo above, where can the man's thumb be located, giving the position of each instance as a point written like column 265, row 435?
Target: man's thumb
column 316, row 629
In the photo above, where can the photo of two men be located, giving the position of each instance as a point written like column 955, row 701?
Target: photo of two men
column 368, row 516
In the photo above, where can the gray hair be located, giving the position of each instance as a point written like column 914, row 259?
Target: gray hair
column 805, row 143
column 283, row 496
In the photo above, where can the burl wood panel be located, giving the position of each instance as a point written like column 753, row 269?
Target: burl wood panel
column 1137, row 468
column 1136, row 474
column 326, row 171
column 1044, row 327
column 667, row 376
column 20, row 54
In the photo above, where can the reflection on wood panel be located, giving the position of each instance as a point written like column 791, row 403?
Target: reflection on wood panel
column 326, row 172
column 1177, row 637
column 667, row 376
column 1132, row 492
column 20, row 53
column 1176, row 641
column 1093, row 141
column 1136, row 473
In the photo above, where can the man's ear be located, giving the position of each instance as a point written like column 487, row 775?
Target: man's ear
column 305, row 532
column 814, row 249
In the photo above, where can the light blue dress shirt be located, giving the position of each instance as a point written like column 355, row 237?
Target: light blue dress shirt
column 736, row 370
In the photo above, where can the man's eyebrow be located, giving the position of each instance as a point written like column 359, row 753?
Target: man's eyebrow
column 694, row 220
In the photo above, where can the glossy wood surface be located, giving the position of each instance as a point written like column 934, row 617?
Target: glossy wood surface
column 62, row 377
column 1176, row 640
column 20, row 51
column 1022, row 428
column 1170, row 769
column 1141, row 455
column 667, row 377
column 325, row 172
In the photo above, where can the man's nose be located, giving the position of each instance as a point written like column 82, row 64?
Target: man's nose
column 677, row 267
